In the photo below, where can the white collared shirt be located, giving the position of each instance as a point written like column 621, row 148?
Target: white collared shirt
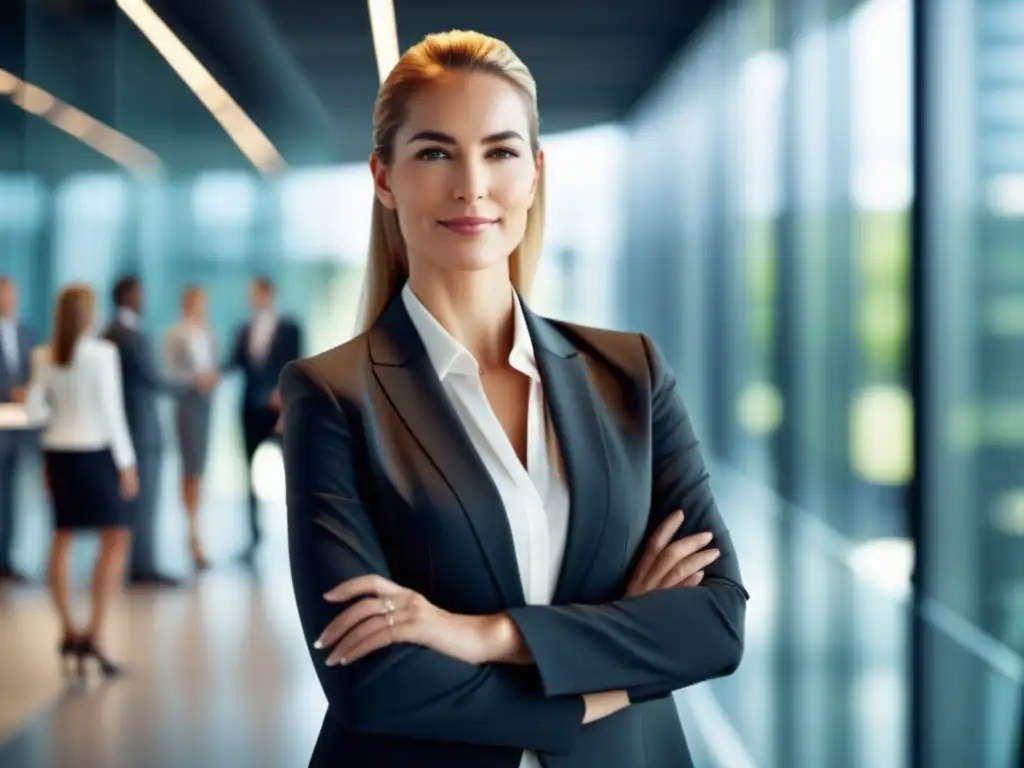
column 536, row 498
column 9, row 344
column 261, row 334
column 200, row 347
column 82, row 402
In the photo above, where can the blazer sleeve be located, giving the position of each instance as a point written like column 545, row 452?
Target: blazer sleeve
column 403, row 690
column 650, row 645
column 138, row 357
column 236, row 358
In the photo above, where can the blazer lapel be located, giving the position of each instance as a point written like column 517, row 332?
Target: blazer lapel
column 574, row 411
column 402, row 367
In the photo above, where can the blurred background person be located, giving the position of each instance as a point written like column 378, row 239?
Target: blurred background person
column 15, row 349
column 262, row 348
column 143, row 381
column 89, row 463
column 190, row 353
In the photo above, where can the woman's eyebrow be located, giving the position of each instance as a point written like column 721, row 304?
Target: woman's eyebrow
column 444, row 138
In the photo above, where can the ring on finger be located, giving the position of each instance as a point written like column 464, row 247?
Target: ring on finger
column 389, row 606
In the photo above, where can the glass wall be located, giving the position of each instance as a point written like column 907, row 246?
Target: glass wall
column 971, row 580
column 769, row 200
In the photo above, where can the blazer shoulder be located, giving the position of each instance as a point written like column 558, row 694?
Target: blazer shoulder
column 623, row 349
column 337, row 372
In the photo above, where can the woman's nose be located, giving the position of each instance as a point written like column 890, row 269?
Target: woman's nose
column 471, row 184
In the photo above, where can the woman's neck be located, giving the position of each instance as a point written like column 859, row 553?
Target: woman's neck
column 475, row 308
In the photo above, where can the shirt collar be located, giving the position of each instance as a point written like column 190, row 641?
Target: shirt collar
column 448, row 356
column 129, row 318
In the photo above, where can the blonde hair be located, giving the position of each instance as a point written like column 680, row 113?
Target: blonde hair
column 71, row 319
column 388, row 265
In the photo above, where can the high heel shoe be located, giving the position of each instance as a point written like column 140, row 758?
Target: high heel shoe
column 109, row 669
column 68, row 652
column 199, row 561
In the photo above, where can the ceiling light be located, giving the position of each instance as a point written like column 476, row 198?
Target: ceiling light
column 8, row 82
column 385, row 35
column 76, row 123
column 225, row 110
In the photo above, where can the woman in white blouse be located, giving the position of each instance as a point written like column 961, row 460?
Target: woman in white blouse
column 190, row 354
column 89, row 463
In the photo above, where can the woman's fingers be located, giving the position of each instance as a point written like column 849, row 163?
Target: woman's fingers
column 674, row 555
column 687, row 568
column 363, row 586
column 351, row 617
column 376, row 632
column 659, row 540
column 694, row 580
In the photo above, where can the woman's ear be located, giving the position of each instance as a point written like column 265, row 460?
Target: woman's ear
column 381, row 183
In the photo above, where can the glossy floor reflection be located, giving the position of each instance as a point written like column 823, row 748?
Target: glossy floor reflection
column 218, row 676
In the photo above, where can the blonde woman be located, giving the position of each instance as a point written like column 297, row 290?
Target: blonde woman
column 488, row 549
column 190, row 354
column 89, row 463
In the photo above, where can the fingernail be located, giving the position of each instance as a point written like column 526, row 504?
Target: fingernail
column 344, row 661
column 708, row 537
column 716, row 553
column 318, row 644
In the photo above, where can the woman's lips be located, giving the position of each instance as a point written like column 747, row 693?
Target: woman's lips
column 468, row 225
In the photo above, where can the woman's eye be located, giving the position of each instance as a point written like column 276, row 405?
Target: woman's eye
column 503, row 154
column 431, row 154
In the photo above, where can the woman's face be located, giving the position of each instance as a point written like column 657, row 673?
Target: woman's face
column 462, row 176
column 195, row 308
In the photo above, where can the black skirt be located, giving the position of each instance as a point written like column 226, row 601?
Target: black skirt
column 85, row 489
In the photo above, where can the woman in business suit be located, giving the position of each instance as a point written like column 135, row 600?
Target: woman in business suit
column 89, row 463
column 488, row 551
column 190, row 354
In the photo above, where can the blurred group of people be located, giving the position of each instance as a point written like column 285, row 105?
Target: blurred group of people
column 94, row 398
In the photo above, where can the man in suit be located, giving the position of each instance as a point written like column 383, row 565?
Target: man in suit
column 262, row 348
column 16, row 344
column 143, row 382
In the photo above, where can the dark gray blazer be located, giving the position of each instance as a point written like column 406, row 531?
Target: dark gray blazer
column 382, row 478
column 26, row 341
column 143, row 382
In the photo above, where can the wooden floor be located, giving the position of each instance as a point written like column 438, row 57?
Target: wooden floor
column 219, row 675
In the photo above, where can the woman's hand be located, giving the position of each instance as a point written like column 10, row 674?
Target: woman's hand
column 389, row 614
column 666, row 563
column 128, row 479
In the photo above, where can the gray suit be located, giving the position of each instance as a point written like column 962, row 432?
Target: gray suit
column 143, row 382
column 192, row 417
column 11, row 443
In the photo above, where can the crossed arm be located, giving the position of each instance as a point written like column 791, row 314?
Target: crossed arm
column 640, row 647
